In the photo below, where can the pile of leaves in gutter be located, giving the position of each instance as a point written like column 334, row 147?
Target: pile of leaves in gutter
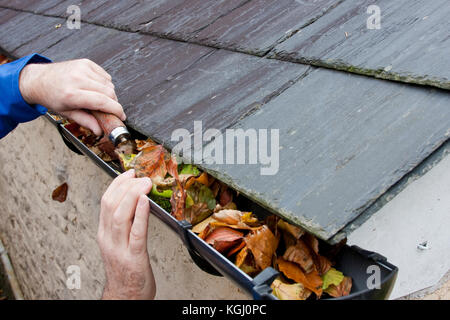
column 253, row 245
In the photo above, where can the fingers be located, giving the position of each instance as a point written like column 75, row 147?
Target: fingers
column 109, row 200
column 139, row 229
column 94, row 85
column 92, row 100
column 123, row 216
column 99, row 70
column 84, row 119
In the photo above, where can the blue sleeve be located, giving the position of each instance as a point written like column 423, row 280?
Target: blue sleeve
column 13, row 108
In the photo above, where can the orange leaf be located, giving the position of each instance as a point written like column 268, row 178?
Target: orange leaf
column 322, row 264
column 295, row 231
column 236, row 248
column 343, row 289
column 311, row 281
column 223, row 234
column 262, row 244
column 60, row 193
column 300, row 254
column 151, row 162
column 177, row 202
column 223, row 238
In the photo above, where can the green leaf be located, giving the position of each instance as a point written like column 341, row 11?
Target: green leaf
column 202, row 194
column 164, row 194
column 126, row 160
column 333, row 276
column 190, row 169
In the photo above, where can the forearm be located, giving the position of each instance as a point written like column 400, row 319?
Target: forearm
column 14, row 109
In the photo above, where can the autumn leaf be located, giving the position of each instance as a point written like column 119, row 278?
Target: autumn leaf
column 236, row 248
column 246, row 262
column 291, row 270
column 222, row 239
column 312, row 242
column 202, row 194
column 226, row 196
column 228, row 216
column 199, row 227
column 60, row 193
column 300, row 254
column 126, row 161
column 196, row 213
column 177, row 201
column 201, row 203
column 263, row 244
column 286, row 291
column 343, row 289
column 235, row 219
column 151, row 162
column 323, row 265
column 142, row 144
column 332, row 277
column 295, row 231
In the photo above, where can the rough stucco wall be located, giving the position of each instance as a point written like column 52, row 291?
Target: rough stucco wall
column 44, row 237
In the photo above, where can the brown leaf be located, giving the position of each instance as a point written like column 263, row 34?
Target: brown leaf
column 226, row 196
column 263, row 244
column 343, row 289
column 228, row 216
column 223, row 238
column 295, row 231
column 107, row 147
column 236, row 248
column 151, row 162
column 235, row 219
column 199, row 227
column 311, row 281
column 60, row 193
column 177, row 201
column 142, row 144
column 197, row 213
column 322, row 264
column 312, row 242
column 246, row 262
column 300, row 254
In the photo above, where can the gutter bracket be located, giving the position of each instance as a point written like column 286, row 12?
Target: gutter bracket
column 262, row 282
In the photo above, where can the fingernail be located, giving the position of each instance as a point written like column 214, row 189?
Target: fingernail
column 130, row 172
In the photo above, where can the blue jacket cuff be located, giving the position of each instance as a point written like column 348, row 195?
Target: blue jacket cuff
column 13, row 108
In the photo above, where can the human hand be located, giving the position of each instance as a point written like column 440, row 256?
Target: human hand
column 122, row 238
column 70, row 88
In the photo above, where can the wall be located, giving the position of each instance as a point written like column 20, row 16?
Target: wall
column 44, row 237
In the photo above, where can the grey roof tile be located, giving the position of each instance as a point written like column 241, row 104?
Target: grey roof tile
column 412, row 45
column 345, row 139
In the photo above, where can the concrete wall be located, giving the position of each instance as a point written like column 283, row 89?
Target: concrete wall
column 44, row 237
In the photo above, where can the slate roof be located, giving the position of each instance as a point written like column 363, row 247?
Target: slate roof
column 308, row 68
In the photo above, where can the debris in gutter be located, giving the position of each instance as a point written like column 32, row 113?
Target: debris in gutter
column 208, row 204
